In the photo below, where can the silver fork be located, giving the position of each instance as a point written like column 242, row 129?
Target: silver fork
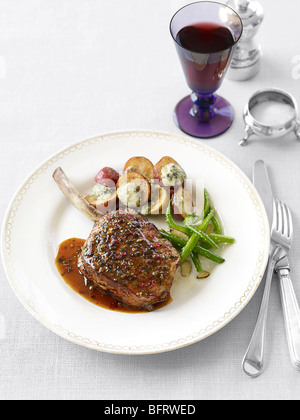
column 283, row 233
column 288, row 297
column 253, row 362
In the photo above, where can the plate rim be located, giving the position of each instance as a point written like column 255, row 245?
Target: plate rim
column 217, row 325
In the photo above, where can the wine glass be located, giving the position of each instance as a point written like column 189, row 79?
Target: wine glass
column 205, row 35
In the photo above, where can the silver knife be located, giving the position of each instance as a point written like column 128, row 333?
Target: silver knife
column 263, row 186
column 253, row 362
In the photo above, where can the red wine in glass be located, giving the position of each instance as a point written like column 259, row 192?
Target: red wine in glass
column 205, row 38
column 205, row 35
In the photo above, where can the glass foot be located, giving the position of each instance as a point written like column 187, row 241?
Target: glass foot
column 219, row 122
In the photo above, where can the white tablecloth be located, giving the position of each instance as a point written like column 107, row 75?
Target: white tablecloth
column 72, row 69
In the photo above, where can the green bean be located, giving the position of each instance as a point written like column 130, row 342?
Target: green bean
column 221, row 239
column 218, row 239
column 216, row 225
column 206, row 210
column 203, row 225
column 209, row 255
column 195, row 230
column 207, row 207
column 176, row 241
column 196, row 261
column 194, row 239
column 171, row 222
column 188, row 247
column 204, row 237
column 198, row 230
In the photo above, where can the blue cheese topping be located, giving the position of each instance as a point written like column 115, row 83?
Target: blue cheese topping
column 101, row 192
column 172, row 175
column 130, row 195
column 131, row 169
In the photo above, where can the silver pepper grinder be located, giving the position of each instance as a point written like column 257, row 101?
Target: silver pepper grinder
column 247, row 57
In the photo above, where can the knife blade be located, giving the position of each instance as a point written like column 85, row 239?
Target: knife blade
column 262, row 184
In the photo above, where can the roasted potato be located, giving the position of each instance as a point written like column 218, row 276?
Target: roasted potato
column 166, row 160
column 133, row 190
column 158, row 202
column 106, row 176
column 169, row 172
column 103, row 198
column 159, row 199
column 182, row 203
column 140, row 165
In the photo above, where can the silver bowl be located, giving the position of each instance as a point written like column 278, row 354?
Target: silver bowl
column 255, row 126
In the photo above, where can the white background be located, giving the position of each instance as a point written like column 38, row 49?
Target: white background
column 72, row 69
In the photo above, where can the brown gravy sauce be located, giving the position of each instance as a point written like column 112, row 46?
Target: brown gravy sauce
column 66, row 263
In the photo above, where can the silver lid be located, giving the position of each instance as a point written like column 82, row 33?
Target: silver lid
column 252, row 14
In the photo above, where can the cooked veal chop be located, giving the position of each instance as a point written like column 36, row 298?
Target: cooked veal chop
column 126, row 256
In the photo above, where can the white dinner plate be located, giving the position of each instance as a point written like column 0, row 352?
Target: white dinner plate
column 39, row 218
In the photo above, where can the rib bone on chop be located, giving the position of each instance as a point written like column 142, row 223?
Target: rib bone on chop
column 126, row 256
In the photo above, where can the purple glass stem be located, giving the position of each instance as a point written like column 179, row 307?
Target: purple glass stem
column 203, row 107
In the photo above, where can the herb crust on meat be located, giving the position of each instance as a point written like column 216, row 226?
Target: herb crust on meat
column 126, row 256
